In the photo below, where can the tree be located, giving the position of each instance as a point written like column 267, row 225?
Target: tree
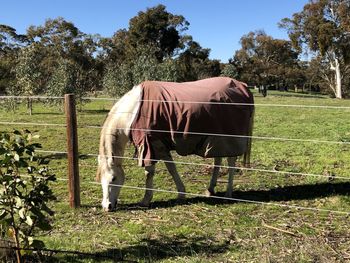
column 323, row 27
column 61, row 42
column 157, row 28
column 263, row 60
column 194, row 62
column 10, row 43
column 230, row 71
column 70, row 77
column 118, row 79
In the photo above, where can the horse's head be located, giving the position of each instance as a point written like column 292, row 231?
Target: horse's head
column 114, row 137
column 111, row 177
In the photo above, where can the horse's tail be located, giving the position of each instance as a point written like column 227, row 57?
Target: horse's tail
column 246, row 157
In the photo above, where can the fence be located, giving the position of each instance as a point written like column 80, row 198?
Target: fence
column 73, row 155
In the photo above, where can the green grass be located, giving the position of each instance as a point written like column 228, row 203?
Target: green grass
column 203, row 229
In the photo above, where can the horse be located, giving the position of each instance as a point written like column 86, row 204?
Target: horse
column 212, row 118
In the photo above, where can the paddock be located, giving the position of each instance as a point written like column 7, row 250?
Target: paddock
column 291, row 205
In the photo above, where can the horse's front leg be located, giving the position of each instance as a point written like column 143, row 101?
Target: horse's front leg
column 170, row 165
column 149, row 172
column 214, row 177
column 231, row 170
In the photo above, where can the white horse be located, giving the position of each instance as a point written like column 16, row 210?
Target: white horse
column 115, row 135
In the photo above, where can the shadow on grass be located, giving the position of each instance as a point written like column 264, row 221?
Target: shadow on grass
column 149, row 250
column 279, row 194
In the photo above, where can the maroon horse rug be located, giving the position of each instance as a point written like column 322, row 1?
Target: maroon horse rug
column 209, row 118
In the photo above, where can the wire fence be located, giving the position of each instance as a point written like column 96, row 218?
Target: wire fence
column 187, row 133
column 223, row 198
column 252, row 169
column 202, row 134
column 190, row 102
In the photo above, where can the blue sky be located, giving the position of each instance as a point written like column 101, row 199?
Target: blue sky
column 215, row 24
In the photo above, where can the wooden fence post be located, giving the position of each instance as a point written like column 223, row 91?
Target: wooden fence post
column 72, row 150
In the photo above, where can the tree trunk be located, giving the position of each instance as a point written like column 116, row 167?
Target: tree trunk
column 338, row 93
column 30, row 106
column 336, row 83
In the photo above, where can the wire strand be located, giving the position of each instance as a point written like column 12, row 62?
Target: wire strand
column 32, row 124
column 31, row 97
column 231, row 199
column 220, row 166
column 182, row 132
column 192, row 102
column 226, row 135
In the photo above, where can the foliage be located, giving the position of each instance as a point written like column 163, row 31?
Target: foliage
column 263, row 60
column 24, row 191
column 28, row 71
column 10, row 43
column 118, row 79
column 323, row 27
column 70, row 77
column 230, row 71
column 194, row 62
column 157, row 28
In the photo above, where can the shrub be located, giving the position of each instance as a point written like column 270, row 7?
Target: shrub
column 24, row 191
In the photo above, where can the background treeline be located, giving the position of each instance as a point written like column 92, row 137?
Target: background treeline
column 57, row 58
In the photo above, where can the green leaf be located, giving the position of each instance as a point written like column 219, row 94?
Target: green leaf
column 21, row 213
column 29, row 221
column 16, row 157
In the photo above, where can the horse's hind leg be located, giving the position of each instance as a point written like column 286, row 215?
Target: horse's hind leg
column 214, row 177
column 231, row 170
column 149, row 172
column 170, row 165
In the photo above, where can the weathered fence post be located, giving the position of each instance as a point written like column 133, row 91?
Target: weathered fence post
column 72, row 149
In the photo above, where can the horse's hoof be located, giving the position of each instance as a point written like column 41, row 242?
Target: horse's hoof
column 209, row 193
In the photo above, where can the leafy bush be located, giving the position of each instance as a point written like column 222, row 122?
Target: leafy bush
column 24, row 191
column 119, row 79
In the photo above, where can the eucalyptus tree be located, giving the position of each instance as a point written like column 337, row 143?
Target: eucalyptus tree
column 65, row 47
column 323, row 27
column 10, row 43
column 158, row 28
column 263, row 60
column 194, row 62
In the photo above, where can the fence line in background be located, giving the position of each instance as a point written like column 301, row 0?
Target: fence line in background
column 191, row 102
column 32, row 97
column 32, row 123
column 225, row 135
column 233, row 103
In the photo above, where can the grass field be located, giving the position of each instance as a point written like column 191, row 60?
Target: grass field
column 204, row 229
